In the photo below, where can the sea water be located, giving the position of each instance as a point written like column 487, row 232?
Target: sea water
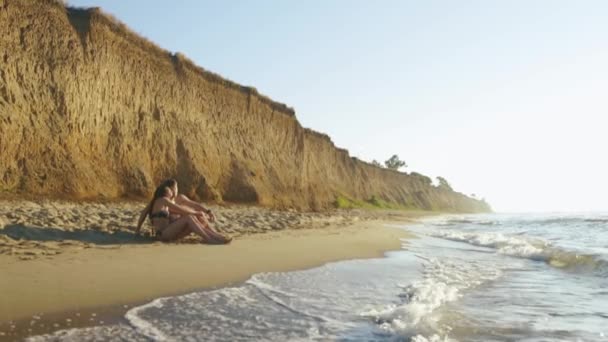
column 495, row 277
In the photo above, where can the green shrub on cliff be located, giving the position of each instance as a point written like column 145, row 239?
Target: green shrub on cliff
column 394, row 163
column 379, row 203
column 443, row 183
column 343, row 202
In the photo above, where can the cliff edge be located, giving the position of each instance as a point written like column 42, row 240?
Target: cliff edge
column 89, row 109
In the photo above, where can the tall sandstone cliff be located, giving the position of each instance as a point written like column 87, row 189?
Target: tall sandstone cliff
column 89, row 109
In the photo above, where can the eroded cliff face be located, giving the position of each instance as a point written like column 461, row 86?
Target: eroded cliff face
column 89, row 110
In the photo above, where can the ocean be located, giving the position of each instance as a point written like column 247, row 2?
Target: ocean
column 494, row 277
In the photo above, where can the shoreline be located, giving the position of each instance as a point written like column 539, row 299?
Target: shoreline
column 98, row 285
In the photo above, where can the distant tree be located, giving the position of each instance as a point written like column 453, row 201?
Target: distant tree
column 394, row 163
column 376, row 163
column 443, row 183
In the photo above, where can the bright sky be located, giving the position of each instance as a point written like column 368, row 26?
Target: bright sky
column 505, row 99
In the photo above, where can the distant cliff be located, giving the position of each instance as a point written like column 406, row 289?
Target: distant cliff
column 89, row 109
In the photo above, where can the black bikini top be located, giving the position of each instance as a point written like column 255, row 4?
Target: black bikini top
column 160, row 214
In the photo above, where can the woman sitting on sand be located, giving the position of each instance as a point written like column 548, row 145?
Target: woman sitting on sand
column 159, row 210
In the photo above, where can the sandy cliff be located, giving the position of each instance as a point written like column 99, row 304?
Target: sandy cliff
column 88, row 110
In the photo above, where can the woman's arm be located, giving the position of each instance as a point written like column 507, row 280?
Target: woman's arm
column 142, row 218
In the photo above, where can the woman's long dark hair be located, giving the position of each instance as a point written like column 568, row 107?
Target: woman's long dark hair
column 170, row 183
column 161, row 191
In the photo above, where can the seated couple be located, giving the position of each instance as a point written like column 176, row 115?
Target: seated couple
column 176, row 216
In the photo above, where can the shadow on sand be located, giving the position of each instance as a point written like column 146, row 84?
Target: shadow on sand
column 17, row 231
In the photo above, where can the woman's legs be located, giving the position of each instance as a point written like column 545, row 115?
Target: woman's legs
column 182, row 227
column 207, row 227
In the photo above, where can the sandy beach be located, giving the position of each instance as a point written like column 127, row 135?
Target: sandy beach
column 61, row 259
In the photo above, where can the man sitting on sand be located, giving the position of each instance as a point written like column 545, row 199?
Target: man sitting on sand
column 183, row 206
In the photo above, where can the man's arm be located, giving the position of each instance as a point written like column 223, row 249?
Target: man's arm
column 185, row 201
column 181, row 209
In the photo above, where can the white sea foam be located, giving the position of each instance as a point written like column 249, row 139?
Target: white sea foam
column 524, row 247
column 143, row 326
column 419, row 316
column 510, row 245
column 117, row 332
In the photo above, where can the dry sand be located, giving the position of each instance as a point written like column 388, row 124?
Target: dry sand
column 67, row 257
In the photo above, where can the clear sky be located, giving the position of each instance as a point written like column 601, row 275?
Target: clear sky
column 506, row 99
